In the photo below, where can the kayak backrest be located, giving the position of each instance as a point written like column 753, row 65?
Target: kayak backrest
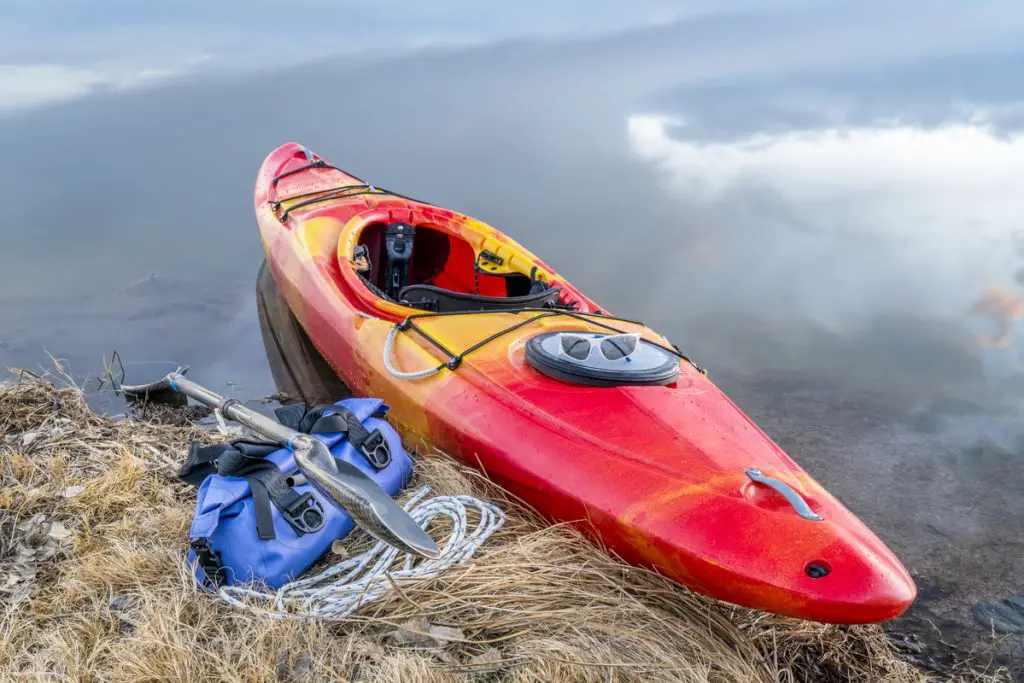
column 431, row 298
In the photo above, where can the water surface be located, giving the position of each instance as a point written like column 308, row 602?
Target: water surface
column 819, row 202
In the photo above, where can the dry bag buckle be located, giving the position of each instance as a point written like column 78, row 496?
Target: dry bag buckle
column 376, row 450
column 306, row 515
column 209, row 560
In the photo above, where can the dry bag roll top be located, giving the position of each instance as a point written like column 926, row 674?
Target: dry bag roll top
column 258, row 520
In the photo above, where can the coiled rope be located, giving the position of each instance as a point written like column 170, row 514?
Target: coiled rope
column 343, row 588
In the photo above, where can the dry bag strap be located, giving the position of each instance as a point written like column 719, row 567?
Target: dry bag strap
column 371, row 445
column 335, row 419
column 209, row 560
column 302, row 511
column 200, row 463
column 246, row 459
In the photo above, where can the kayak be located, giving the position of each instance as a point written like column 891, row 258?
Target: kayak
column 486, row 353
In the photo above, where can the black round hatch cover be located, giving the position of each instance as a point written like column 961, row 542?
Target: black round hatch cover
column 604, row 360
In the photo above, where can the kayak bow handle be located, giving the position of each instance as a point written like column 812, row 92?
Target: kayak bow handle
column 787, row 492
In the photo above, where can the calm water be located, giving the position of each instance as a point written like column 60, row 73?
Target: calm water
column 822, row 205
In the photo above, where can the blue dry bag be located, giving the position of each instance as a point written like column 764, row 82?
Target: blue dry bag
column 257, row 520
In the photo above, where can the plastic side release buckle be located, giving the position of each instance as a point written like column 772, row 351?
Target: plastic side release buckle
column 305, row 515
column 376, row 450
column 209, row 560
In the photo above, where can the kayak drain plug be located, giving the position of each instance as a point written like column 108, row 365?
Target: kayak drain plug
column 817, row 569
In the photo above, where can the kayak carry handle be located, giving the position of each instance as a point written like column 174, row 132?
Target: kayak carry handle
column 787, row 492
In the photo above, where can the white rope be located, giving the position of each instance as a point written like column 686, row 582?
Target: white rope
column 389, row 347
column 343, row 588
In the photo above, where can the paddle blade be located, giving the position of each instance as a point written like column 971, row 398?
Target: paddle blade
column 370, row 507
column 148, row 381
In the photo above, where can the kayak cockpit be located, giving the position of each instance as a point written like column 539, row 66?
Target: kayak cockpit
column 433, row 269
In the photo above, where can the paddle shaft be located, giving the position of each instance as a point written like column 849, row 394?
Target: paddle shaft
column 234, row 410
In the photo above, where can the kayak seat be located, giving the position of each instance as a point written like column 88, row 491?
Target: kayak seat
column 424, row 267
column 440, row 300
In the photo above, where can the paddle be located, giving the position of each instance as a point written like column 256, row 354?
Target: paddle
column 342, row 482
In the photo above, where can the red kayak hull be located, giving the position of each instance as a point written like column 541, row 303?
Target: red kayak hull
column 655, row 474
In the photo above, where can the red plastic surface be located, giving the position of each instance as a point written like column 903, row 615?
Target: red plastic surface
column 657, row 473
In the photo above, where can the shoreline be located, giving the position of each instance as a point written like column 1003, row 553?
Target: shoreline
column 124, row 504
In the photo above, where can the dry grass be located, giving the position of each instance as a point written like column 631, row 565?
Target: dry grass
column 114, row 602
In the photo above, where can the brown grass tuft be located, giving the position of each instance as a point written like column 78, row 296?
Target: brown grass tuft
column 112, row 600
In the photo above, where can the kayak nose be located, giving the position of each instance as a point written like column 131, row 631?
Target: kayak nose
column 820, row 577
column 855, row 583
column 815, row 561
column 832, row 562
column 835, row 570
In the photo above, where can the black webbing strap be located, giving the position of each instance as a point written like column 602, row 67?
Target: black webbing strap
column 370, row 444
column 201, row 461
column 247, row 459
column 209, row 560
